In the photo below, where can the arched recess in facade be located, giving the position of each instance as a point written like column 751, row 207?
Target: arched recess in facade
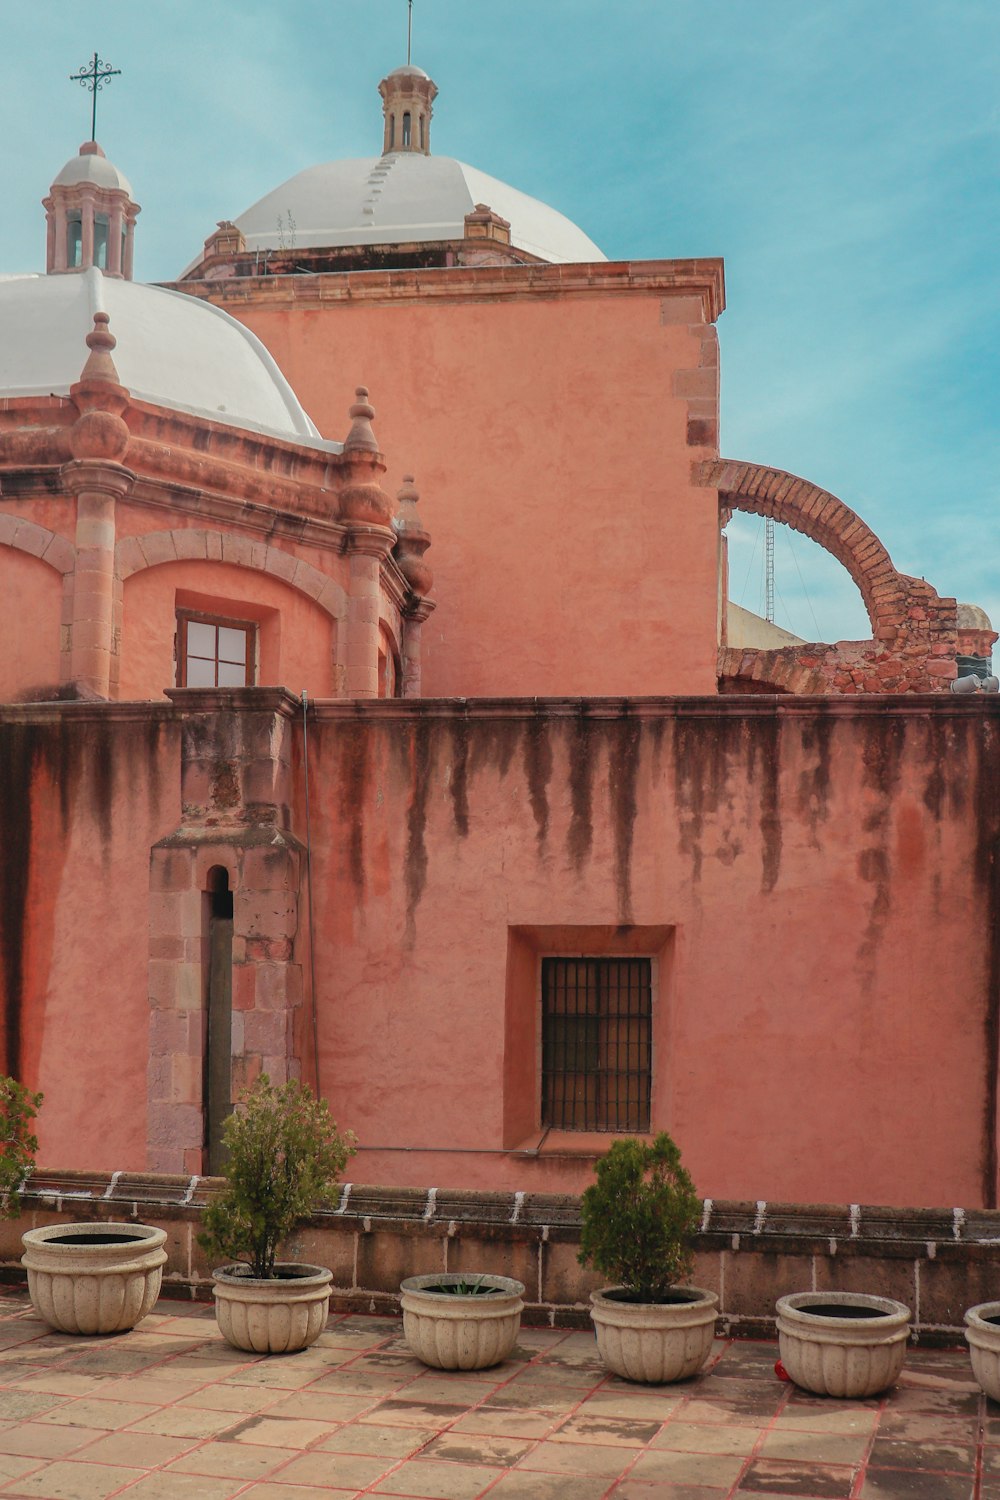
column 54, row 550
column 822, row 517
column 133, row 554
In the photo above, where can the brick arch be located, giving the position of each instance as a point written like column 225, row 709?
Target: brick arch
column 767, row 671
column 38, row 541
column 821, row 516
column 133, row 554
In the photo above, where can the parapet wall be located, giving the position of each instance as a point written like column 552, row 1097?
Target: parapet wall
column 938, row 1261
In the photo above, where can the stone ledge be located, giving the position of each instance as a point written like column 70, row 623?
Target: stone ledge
column 938, row 1261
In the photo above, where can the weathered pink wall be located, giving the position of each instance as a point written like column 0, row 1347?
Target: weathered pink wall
column 816, row 879
column 85, row 791
column 571, row 551
column 826, row 1030
column 30, row 618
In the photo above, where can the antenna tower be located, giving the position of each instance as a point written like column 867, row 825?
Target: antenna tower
column 769, row 569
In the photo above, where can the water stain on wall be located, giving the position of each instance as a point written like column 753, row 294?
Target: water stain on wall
column 623, row 773
column 580, row 835
column 537, row 753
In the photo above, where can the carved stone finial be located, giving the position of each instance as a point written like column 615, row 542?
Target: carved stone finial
column 361, row 414
column 413, row 540
column 100, row 398
column 100, row 342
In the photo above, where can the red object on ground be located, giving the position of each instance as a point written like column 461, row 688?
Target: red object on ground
column 780, row 1370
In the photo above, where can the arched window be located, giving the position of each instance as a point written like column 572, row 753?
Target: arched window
column 421, row 132
column 101, row 241
column 407, row 127
column 74, row 238
column 392, row 132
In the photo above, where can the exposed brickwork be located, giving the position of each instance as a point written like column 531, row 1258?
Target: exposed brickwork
column 914, row 631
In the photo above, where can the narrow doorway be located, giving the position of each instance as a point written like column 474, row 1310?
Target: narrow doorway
column 219, row 1046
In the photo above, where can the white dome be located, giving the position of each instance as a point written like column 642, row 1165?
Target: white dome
column 402, row 197
column 91, row 165
column 172, row 350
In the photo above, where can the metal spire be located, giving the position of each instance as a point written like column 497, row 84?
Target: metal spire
column 409, row 33
column 94, row 78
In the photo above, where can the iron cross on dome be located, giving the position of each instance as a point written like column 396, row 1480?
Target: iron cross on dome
column 94, row 78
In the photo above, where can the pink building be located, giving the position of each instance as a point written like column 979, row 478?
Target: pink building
column 558, row 847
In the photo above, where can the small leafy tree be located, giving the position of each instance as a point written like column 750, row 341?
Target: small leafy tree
column 639, row 1217
column 285, row 1157
column 18, row 1142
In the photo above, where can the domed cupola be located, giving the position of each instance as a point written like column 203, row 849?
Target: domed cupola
column 90, row 215
column 408, row 96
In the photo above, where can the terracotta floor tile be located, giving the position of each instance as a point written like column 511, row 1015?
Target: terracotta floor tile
column 136, row 1450
column 640, row 1403
column 450, row 1389
column 732, row 1416
column 623, row 1432
column 437, row 1481
column 558, row 1399
column 393, row 1442
column 13, row 1466
column 232, row 1460
column 165, row 1485
column 271, row 1432
column 944, row 1402
column 345, row 1471
column 187, row 1422
column 899, row 1484
column 472, row 1448
column 59, row 1382
column 230, row 1398
column 20, row 1406
column 71, row 1481
column 151, row 1389
column 888, row 1453
column 414, row 1414
column 637, row 1489
column 269, row 1491
column 707, row 1437
column 815, row 1480
column 95, row 1413
column 839, row 1417
column 926, row 1426
column 283, row 1374
column 506, row 1422
column 38, row 1441
column 816, row 1447
column 320, row 1406
column 351, row 1382
column 719, row 1469
column 576, row 1458
column 523, row 1484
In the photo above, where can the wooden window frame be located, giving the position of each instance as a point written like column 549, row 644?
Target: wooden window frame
column 186, row 617
column 597, row 1042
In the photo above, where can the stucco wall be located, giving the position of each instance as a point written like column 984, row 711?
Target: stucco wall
column 816, row 879
column 549, row 435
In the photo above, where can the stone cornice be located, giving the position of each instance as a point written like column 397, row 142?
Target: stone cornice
column 703, row 278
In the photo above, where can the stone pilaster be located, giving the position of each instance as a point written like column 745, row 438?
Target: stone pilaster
column 236, row 794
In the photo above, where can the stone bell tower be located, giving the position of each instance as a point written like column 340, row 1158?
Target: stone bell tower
column 90, row 215
column 407, row 102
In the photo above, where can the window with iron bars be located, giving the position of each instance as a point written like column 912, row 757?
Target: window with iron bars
column 597, row 1018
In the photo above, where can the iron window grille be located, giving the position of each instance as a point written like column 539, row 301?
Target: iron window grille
column 597, row 1024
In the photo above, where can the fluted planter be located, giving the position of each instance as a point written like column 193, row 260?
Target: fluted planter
column 654, row 1342
column 450, row 1331
column 983, row 1337
column 93, row 1278
column 280, row 1315
column 844, row 1344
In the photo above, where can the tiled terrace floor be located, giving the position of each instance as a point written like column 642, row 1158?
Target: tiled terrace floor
column 170, row 1412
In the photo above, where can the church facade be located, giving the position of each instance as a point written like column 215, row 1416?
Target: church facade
column 508, row 857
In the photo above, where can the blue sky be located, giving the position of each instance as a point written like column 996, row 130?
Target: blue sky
column 842, row 155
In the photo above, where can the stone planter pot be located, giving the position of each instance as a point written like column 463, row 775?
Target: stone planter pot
column 278, row 1316
column 983, row 1338
column 842, row 1344
column 93, row 1278
column 453, row 1332
column 654, row 1342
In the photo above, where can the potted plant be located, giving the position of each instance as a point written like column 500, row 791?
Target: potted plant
column 639, row 1220
column 82, row 1278
column 983, row 1337
column 458, row 1322
column 285, row 1157
column 845, row 1344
